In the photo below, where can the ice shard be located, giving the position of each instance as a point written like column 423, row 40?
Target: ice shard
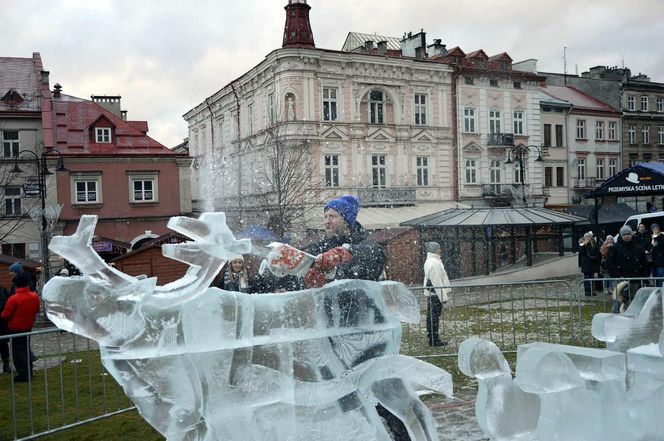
column 205, row 364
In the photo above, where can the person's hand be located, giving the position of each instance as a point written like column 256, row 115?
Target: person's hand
column 330, row 259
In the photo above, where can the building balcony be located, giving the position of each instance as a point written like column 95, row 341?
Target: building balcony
column 586, row 183
column 387, row 196
column 503, row 190
column 501, row 139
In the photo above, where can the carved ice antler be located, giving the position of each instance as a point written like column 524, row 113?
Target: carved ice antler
column 78, row 250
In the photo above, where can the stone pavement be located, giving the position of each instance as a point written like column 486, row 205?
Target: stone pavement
column 455, row 417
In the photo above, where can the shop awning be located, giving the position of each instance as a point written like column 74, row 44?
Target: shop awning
column 642, row 179
column 375, row 218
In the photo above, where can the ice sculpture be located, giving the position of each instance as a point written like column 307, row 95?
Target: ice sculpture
column 584, row 394
column 206, row 364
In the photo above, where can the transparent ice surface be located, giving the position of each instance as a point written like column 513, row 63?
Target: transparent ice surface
column 585, row 394
column 504, row 411
column 205, row 364
column 640, row 324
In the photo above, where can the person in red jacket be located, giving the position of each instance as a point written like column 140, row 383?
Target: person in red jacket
column 19, row 314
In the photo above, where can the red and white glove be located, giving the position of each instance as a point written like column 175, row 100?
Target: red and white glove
column 331, row 259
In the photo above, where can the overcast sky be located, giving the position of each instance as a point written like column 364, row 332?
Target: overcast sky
column 164, row 56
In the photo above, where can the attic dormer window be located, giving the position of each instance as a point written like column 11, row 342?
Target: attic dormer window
column 103, row 135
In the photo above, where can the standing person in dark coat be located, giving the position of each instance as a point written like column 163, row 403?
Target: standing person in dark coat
column 589, row 261
column 628, row 259
column 19, row 313
column 657, row 253
column 4, row 342
column 642, row 237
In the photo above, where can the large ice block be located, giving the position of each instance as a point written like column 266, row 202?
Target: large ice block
column 204, row 364
column 640, row 324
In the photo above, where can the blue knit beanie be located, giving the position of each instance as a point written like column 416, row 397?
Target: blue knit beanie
column 16, row 267
column 347, row 206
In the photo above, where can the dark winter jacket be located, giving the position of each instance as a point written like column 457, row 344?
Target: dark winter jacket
column 644, row 239
column 657, row 252
column 4, row 296
column 368, row 257
column 589, row 257
column 627, row 259
column 21, row 309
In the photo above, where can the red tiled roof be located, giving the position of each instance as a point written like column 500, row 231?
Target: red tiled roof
column 580, row 101
column 74, row 120
column 23, row 77
column 500, row 56
column 478, row 53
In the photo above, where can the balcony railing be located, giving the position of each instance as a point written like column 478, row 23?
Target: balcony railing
column 502, row 190
column 387, row 196
column 501, row 139
column 586, row 183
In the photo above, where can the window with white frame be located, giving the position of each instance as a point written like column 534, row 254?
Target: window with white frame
column 631, row 103
column 517, row 171
column 250, row 118
column 329, row 103
column 143, row 187
column 331, row 170
column 600, row 168
column 518, row 122
column 559, row 135
column 599, row 130
column 494, row 121
column 86, row 188
column 581, row 168
column 495, row 171
column 422, row 166
column 469, row 120
column 644, row 103
column 378, row 171
column 645, row 133
column 612, row 131
column 13, row 201
column 420, row 109
column 270, row 108
column 660, row 135
column 10, row 143
column 376, row 107
column 32, row 250
column 471, row 171
column 103, row 135
column 660, row 104
column 581, row 129
column 613, row 166
column 631, row 133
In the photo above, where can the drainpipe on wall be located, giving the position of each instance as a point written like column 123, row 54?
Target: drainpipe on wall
column 207, row 103
column 455, row 147
column 239, row 156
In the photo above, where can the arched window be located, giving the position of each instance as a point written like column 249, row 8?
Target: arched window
column 376, row 107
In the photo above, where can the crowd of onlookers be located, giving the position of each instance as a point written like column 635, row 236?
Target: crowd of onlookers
column 637, row 256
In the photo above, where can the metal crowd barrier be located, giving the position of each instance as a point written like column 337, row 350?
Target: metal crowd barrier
column 600, row 299
column 69, row 387
column 509, row 314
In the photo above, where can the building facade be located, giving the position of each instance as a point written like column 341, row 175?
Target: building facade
column 23, row 91
column 594, row 140
column 374, row 125
column 497, row 109
column 555, row 149
column 114, row 170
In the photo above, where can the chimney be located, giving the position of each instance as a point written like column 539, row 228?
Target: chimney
column 411, row 43
column 123, row 115
column 297, row 31
column 109, row 102
column 437, row 49
column 382, row 47
column 368, row 45
column 57, row 88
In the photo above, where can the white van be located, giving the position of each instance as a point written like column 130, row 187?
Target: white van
column 647, row 219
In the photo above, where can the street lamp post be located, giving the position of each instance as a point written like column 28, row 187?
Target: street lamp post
column 42, row 172
column 518, row 151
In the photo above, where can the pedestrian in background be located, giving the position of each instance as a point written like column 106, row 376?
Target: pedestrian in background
column 609, row 285
column 589, row 261
column 19, row 313
column 235, row 277
column 435, row 279
column 628, row 259
column 657, row 253
column 4, row 342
